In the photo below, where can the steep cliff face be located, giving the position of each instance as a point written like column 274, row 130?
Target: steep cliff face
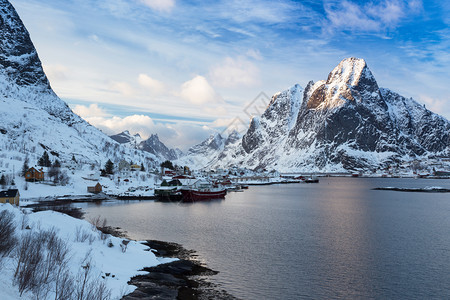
column 343, row 123
column 155, row 146
column 21, row 73
column 18, row 58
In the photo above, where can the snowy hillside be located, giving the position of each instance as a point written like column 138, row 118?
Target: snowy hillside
column 33, row 119
column 343, row 123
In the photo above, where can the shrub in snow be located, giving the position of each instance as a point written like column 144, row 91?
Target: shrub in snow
column 82, row 235
column 124, row 245
column 7, row 232
column 89, row 287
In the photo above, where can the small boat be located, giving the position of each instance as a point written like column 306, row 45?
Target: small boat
column 168, row 193
column 202, row 194
column 312, row 179
column 233, row 188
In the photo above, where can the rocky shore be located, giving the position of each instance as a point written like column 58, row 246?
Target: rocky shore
column 420, row 190
column 181, row 279
column 184, row 278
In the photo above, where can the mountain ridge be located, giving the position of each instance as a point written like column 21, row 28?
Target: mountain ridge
column 346, row 122
column 151, row 145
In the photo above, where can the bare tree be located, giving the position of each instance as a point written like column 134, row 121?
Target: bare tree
column 29, row 258
column 7, row 233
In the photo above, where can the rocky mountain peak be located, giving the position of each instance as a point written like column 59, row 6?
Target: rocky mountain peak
column 351, row 80
column 349, row 70
column 232, row 137
column 153, row 138
column 18, row 57
column 21, row 73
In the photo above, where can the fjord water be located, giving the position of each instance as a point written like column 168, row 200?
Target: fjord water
column 335, row 239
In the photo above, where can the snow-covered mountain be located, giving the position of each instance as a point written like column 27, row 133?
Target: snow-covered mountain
column 211, row 150
column 152, row 145
column 343, row 123
column 155, row 146
column 33, row 118
column 127, row 139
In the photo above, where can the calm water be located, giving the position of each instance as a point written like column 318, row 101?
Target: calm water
column 335, row 239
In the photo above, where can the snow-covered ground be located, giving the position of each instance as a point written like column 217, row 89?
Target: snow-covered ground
column 135, row 183
column 108, row 262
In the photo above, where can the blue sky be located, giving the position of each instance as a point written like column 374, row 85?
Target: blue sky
column 185, row 69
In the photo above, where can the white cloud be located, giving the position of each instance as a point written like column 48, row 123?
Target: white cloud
column 198, row 91
column 122, row 87
column 238, row 72
column 388, row 13
column 174, row 135
column 270, row 12
column 94, row 38
column 350, row 16
column 255, row 54
column 91, row 111
column 136, row 123
column 160, row 5
column 216, row 111
column 371, row 17
column 153, row 85
column 180, row 134
column 435, row 105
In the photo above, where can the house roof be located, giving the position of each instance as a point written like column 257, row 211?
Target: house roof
column 36, row 170
column 9, row 193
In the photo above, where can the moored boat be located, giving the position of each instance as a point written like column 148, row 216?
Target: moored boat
column 168, row 193
column 192, row 195
column 312, row 179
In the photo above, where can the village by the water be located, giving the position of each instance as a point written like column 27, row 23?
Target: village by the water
column 49, row 181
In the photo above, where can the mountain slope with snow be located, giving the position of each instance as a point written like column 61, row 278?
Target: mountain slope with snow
column 151, row 145
column 33, row 119
column 343, row 123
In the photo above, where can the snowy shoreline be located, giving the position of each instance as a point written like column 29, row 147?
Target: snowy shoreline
column 112, row 261
column 138, row 269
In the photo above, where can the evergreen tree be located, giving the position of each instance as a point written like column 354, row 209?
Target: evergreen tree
column 73, row 158
column 56, row 164
column 109, row 167
column 167, row 164
column 3, row 181
column 25, row 167
column 44, row 161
